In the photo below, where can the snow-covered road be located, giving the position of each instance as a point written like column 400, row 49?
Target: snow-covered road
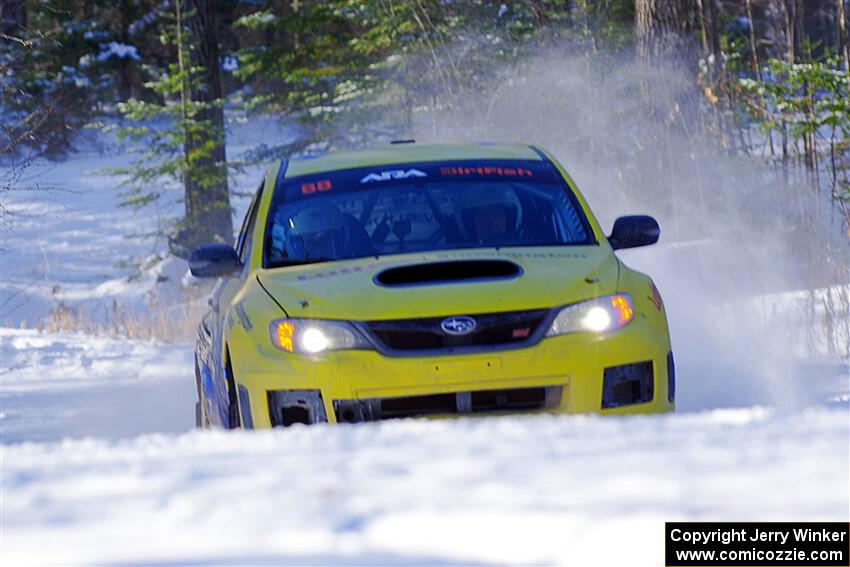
column 553, row 490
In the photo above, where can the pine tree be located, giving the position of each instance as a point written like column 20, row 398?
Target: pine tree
column 183, row 135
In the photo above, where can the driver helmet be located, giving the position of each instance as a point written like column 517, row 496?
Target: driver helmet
column 319, row 230
column 489, row 212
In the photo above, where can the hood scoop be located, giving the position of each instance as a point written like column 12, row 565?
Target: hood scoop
column 457, row 271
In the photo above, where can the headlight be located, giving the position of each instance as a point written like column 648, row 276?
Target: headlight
column 311, row 336
column 599, row 315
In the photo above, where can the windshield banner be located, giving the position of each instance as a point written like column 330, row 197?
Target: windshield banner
column 385, row 175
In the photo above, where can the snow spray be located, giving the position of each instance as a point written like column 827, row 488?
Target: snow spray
column 748, row 262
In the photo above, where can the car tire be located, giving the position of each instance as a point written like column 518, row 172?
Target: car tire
column 232, row 397
column 201, row 421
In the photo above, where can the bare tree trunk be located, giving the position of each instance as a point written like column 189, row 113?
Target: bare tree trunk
column 789, row 17
column 184, row 103
column 665, row 42
column 664, row 29
column 843, row 44
column 208, row 217
column 666, row 47
column 124, row 84
column 788, row 12
column 579, row 14
column 800, row 32
column 709, row 12
column 756, row 66
column 794, row 30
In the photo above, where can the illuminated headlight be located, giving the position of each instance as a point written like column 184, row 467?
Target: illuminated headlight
column 311, row 336
column 599, row 315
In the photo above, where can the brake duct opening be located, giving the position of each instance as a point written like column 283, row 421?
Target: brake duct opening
column 628, row 384
column 288, row 407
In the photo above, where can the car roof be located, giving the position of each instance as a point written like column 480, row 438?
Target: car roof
column 410, row 153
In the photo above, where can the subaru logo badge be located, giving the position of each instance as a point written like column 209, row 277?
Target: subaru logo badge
column 458, row 325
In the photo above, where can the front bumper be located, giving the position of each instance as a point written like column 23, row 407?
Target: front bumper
column 575, row 364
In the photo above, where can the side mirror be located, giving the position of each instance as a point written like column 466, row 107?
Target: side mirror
column 213, row 261
column 634, row 231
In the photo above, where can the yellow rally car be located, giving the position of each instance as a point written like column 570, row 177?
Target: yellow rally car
column 421, row 280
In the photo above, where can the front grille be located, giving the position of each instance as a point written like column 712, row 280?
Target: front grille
column 463, row 403
column 492, row 329
column 418, row 405
column 508, row 400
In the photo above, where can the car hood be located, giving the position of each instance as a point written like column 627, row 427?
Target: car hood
column 352, row 290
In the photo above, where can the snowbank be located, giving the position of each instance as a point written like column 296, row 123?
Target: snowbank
column 57, row 385
column 552, row 490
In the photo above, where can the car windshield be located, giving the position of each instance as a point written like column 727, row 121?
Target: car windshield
column 419, row 208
